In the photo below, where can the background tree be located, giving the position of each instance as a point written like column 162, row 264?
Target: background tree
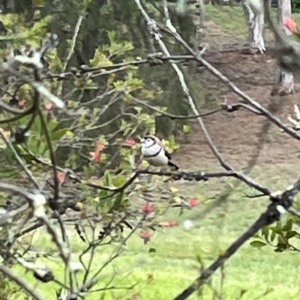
column 284, row 81
column 81, row 82
column 255, row 19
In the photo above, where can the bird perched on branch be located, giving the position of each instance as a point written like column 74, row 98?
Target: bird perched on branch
column 155, row 153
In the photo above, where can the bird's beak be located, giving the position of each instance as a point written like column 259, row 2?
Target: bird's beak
column 142, row 140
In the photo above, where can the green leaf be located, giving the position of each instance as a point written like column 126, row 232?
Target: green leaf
column 265, row 232
column 52, row 125
column 107, row 178
column 258, row 244
column 186, row 128
column 291, row 234
column 100, row 59
column 199, row 258
column 288, row 226
column 58, row 134
column 282, row 246
column 36, row 126
column 277, row 228
column 273, row 235
column 119, row 180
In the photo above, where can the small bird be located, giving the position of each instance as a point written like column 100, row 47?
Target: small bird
column 155, row 153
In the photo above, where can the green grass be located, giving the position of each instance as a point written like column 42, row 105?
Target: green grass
column 174, row 265
column 229, row 24
column 231, row 18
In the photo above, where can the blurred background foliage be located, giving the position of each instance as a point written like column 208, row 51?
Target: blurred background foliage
column 97, row 137
column 107, row 109
column 111, row 32
column 125, row 21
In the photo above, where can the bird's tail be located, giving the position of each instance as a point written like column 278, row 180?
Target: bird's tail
column 172, row 165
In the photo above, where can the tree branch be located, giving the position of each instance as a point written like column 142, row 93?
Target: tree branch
column 280, row 203
column 22, row 283
column 235, row 89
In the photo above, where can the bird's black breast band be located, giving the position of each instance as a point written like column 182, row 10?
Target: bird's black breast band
column 155, row 154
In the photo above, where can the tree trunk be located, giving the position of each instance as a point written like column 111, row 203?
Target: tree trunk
column 255, row 20
column 284, row 81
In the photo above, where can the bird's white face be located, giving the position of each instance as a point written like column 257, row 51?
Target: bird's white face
column 149, row 146
column 147, row 142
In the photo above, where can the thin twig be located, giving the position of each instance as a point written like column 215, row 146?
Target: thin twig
column 36, row 85
column 71, row 51
column 279, row 205
column 154, row 31
column 21, row 163
column 52, row 202
column 21, row 282
column 235, row 89
column 224, row 106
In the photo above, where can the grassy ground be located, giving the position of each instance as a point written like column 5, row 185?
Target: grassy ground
column 174, row 265
column 163, row 274
column 230, row 23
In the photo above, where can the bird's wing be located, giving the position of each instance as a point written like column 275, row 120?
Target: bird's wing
column 167, row 153
column 159, row 142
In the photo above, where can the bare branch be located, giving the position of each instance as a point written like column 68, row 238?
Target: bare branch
column 280, row 203
column 21, row 282
column 224, row 106
column 36, row 85
column 236, row 90
column 154, row 31
column 26, row 170
column 16, row 190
